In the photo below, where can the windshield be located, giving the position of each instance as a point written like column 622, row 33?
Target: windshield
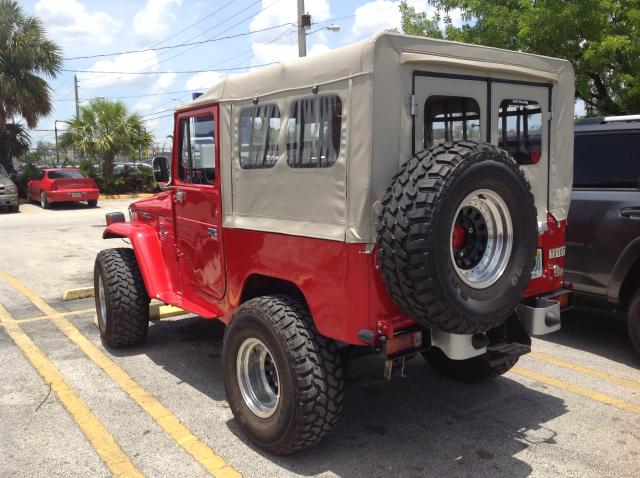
column 3, row 173
column 66, row 174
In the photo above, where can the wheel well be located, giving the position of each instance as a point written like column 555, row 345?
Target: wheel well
column 257, row 285
column 630, row 284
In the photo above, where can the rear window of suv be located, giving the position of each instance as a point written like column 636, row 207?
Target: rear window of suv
column 65, row 174
column 607, row 160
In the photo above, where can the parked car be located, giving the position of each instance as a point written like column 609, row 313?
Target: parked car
column 62, row 185
column 603, row 234
column 323, row 215
column 132, row 167
column 8, row 192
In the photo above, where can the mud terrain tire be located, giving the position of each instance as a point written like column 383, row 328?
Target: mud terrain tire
column 415, row 251
column 123, row 316
column 308, row 368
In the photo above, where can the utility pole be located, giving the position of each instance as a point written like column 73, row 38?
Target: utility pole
column 75, row 83
column 55, row 129
column 304, row 22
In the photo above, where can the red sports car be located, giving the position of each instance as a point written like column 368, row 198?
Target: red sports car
column 60, row 185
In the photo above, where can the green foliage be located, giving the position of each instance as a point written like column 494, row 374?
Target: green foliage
column 25, row 54
column 601, row 39
column 105, row 129
column 14, row 141
column 130, row 180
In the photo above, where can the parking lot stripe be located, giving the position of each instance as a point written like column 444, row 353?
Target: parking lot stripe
column 585, row 370
column 212, row 462
column 597, row 396
column 101, row 440
column 47, row 317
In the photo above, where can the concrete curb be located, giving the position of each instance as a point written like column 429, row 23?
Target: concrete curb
column 126, row 196
column 75, row 294
column 157, row 310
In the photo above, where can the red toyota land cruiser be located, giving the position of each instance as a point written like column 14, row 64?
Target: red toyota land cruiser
column 401, row 196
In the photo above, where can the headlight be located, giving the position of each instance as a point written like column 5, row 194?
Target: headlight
column 133, row 215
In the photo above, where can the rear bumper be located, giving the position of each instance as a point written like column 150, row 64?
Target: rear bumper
column 9, row 199
column 541, row 315
column 72, row 195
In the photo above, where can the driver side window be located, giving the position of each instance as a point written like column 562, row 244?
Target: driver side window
column 197, row 150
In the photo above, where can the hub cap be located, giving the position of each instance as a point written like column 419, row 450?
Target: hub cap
column 481, row 238
column 258, row 378
column 102, row 299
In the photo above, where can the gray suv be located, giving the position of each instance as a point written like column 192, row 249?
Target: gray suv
column 8, row 192
column 603, row 227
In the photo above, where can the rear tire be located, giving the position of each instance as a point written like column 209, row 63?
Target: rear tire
column 122, row 302
column 633, row 321
column 304, row 371
column 92, row 202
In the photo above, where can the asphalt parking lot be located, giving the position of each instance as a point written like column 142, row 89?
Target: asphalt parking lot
column 69, row 407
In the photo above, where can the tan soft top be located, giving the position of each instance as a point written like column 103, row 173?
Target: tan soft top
column 373, row 79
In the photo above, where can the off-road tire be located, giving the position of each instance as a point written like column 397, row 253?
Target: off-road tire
column 44, row 203
column 309, row 366
column 92, row 202
column 414, row 236
column 633, row 321
column 127, row 301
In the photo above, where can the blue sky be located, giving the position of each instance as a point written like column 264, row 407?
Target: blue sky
column 89, row 27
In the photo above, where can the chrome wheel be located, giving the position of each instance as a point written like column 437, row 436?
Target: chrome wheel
column 481, row 238
column 102, row 300
column 258, row 377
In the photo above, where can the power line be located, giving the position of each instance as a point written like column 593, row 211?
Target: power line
column 170, row 47
column 162, row 72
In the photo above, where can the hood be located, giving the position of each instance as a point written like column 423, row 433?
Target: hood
column 5, row 181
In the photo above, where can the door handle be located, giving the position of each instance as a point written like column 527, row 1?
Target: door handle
column 630, row 213
column 213, row 232
column 179, row 195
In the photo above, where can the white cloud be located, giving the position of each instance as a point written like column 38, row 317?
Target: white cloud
column 127, row 63
column 376, row 16
column 281, row 44
column 161, row 85
column 204, row 80
column 70, row 21
column 155, row 19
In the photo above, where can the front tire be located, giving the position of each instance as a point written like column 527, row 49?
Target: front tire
column 284, row 381
column 122, row 302
column 44, row 202
column 633, row 321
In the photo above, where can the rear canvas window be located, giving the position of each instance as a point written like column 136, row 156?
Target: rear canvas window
column 520, row 130
column 70, row 174
column 313, row 132
column 607, row 160
column 451, row 118
column 258, row 136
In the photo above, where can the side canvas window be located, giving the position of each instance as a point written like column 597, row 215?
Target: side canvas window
column 520, row 130
column 451, row 118
column 313, row 132
column 197, row 163
column 258, row 136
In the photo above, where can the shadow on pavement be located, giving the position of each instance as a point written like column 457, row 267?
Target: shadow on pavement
column 69, row 206
column 423, row 425
column 598, row 332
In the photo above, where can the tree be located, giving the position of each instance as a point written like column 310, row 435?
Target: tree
column 25, row 53
column 104, row 130
column 14, row 141
column 601, row 38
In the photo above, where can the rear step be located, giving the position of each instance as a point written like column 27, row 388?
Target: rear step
column 499, row 354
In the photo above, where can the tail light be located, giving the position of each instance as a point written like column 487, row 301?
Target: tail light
column 534, row 157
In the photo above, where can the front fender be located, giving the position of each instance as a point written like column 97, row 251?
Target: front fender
column 147, row 248
column 627, row 259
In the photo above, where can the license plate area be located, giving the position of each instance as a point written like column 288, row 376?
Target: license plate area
column 76, row 195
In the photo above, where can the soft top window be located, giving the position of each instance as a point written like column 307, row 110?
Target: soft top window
column 258, row 136
column 313, row 132
column 65, row 174
column 451, row 118
column 520, row 130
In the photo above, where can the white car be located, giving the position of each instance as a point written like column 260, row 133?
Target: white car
column 8, row 192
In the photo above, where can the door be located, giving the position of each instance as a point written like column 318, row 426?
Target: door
column 520, row 115
column 449, row 109
column 198, row 205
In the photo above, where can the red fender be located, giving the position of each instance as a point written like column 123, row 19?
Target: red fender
column 146, row 246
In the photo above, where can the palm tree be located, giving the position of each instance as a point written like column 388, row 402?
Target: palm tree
column 104, row 130
column 25, row 53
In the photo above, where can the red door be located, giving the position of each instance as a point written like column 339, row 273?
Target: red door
column 198, row 205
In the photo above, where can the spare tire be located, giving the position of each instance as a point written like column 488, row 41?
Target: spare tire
column 457, row 237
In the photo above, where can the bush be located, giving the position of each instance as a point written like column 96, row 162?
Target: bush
column 130, row 180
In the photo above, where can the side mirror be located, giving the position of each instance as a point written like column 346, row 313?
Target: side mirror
column 161, row 171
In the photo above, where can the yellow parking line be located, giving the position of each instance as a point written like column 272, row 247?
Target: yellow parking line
column 212, row 462
column 597, row 396
column 586, row 370
column 47, row 317
column 103, row 442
